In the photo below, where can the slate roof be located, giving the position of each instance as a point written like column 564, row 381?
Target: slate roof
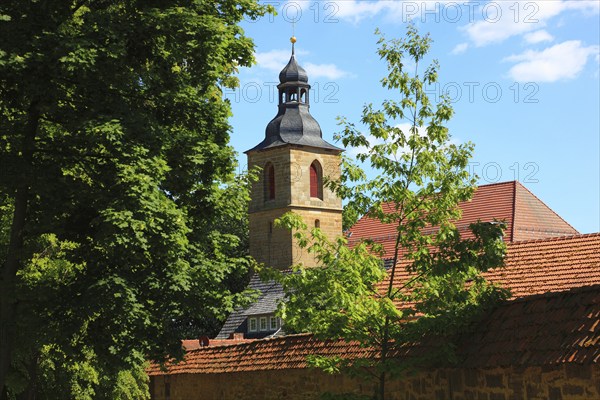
column 541, row 330
column 294, row 125
column 270, row 295
column 293, row 72
column 527, row 217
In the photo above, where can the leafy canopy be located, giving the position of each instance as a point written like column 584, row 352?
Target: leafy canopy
column 119, row 209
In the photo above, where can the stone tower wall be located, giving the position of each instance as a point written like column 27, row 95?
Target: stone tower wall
column 274, row 246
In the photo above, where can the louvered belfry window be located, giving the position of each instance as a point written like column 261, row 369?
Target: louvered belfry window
column 316, row 180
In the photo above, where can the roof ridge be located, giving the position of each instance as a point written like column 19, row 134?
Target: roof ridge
column 251, row 342
column 533, row 297
column 496, row 184
column 554, row 238
column 513, row 215
column 519, row 184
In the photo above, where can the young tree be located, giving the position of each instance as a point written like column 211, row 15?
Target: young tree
column 420, row 179
column 113, row 157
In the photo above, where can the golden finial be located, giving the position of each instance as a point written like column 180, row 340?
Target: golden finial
column 293, row 39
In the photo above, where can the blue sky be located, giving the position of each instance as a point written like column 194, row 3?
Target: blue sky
column 523, row 75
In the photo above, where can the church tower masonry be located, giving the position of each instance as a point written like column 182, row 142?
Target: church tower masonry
column 295, row 160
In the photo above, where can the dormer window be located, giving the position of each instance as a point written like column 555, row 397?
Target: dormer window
column 263, row 324
column 316, row 180
column 252, row 325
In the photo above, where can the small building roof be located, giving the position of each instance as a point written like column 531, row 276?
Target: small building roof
column 542, row 330
column 270, row 293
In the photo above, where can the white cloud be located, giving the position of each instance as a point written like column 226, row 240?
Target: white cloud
column 405, row 127
column 356, row 10
column 460, row 48
column 501, row 18
column 504, row 19
column 275, row 60
column 588, row 7
column 538, row 37
column 330, row 71
column 562, row 61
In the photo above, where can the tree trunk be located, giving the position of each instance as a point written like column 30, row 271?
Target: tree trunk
column 30, row 392
column 8, row 274
column 381, row 387
column 383, row 360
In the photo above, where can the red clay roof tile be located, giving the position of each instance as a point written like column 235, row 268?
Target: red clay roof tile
column 542, row 265
column 526, row 216
column 555, row 328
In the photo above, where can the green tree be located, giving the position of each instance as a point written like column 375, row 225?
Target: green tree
column 420, row 178
column 115, row 171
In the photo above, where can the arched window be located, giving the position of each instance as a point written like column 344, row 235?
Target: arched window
column 316, row 180
column 317, row 223
column 269, row 182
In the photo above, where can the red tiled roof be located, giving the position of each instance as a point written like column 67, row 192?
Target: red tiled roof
column 535, row 220
column 526, row 216
column 538, row 330
column 286, row 352
column 548, row 329
column 541, row 266
column 550, row 265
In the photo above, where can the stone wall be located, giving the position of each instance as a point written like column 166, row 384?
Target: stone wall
column 563, row 382
column 272, row 246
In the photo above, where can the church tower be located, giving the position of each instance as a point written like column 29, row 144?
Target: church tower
column 295, row 160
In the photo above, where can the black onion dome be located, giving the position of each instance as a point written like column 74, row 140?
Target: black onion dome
column 293, row 123
column 292, row 72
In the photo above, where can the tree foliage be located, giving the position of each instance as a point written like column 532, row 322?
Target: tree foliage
column 420, row 177
column 116, row 185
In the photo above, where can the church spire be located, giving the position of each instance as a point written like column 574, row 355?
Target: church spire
column 293, row 123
